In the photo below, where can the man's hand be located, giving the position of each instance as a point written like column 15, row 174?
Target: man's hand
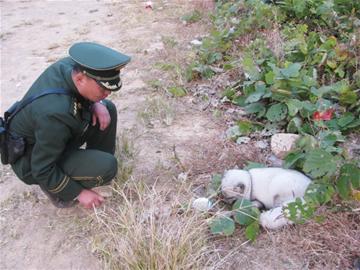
column 100, row 113
column 89, row 199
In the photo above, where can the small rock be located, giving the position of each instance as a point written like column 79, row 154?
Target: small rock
column 282, row 143
column 275, row 162
column 196, row 42
column 182, row 177
column 261, row 144
column 202, row 204
column 242, row 140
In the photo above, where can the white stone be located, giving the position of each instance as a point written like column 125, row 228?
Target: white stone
column 202, row 204
column 282, row 143
column 261, row 144
column 196, row 42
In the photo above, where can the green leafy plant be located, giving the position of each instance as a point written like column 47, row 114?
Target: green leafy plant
column 243, row 213
column 192, row 17
column 311, row 87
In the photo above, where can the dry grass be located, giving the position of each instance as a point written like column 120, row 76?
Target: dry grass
column 157, row 111
column 144, row 229
column 333, row 244
column 125, row 154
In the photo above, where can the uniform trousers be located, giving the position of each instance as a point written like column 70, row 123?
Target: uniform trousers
column 93, row 166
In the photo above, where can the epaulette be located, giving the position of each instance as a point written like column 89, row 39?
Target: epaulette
column 75, row 107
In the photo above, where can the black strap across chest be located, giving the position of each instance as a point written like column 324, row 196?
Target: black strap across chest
column 19, row 105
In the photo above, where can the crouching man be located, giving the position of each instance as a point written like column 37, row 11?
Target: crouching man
column 73, row 112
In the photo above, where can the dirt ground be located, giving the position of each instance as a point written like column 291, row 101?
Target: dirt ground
column 34, row 34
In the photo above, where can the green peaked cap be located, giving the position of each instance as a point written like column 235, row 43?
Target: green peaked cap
column 99, row 62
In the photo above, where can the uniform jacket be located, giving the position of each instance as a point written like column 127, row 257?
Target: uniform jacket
column 51, row 125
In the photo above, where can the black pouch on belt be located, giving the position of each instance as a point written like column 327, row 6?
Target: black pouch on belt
column 12, row 146
column 3, row 148
column 15, row 147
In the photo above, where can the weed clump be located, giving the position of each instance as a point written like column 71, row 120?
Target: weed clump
column 139, row 231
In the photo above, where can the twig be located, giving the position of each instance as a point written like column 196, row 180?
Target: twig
column 178, row 159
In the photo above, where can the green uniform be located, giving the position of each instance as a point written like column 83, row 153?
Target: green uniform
column 54, row 127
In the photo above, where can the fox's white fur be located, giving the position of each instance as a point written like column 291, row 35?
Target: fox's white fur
column 271, row 187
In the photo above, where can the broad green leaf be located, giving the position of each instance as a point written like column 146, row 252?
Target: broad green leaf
column 308, row 108
column 252, row 231
column 229, row 92
column 291, row 71
column 294, row 125
column 260, row 89
column 244, row 212
column 308, row 81
column 276, row 112
column 260, row 86
column 346, row 119
column 318, row 163
column 269, row 77
column 343, row 186
column 239, row 101
column 299, row 211
column 307, row 143
column 318, row 193
column 254, row 97
column 329, row 138
column 216, row 182
column 321, row 91
column 353, row 124
column 294, row 105
column 292, row 158
column 222, row 225
column 351, row 172
column 248, row 87
column 254, row 107
column 275, row 70
column 245, row 127
column 331, row 124
column 251, row 69
column 253, row 165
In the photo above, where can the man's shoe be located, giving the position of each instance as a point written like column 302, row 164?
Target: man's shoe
column 57, row 202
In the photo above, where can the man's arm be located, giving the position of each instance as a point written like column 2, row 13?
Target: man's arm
column 100, row 114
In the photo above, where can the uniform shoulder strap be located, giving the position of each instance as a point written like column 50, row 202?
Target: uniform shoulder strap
column 18, row 106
